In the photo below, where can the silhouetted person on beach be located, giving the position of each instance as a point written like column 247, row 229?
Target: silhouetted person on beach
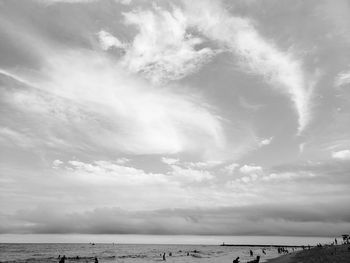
column 164, row 257
column 236, row 260
column 336, row 241
column 255, row 260
column 251, row 253
column 96, row 260
column 63, row 259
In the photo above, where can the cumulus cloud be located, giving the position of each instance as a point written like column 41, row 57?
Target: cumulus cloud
column 341, row 155
column 188, row 175
column 256, row 54
column 113, row 174
column 188, row 172
column 287, row 175
column 169, row 160
column 163, row 49
column 251, row 173
column 204, row 165
column 270, row 198
column 111, row 183
column 247, row 169
column 108, row 41
column 266, row 141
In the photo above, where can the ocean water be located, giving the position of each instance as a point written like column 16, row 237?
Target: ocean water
column 120, row 253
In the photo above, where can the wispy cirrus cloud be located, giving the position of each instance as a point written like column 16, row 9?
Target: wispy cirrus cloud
column 256, row 54
column 155, row 119
column 342, row 78
column 21, row 139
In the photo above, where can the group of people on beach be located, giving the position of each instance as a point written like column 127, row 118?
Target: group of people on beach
column 285, row 250
column 171, row 254
column 63, row 259
column 251, row 253
column 280, row 250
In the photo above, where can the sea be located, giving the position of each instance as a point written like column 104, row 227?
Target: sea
column 133, row 253
column 128, row 253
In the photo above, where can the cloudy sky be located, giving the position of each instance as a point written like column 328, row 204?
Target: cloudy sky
column 175, row 117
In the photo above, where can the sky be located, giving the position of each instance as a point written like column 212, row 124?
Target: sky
column 175, row 117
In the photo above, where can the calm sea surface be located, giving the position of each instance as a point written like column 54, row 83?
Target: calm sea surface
column 126, row 253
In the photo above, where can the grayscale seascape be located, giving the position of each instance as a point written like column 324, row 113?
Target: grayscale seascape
column 175, row 131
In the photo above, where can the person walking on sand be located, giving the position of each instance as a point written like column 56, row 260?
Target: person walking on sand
column 96, row 260
column 251, row 253
column 336, row 241
column 164, row 257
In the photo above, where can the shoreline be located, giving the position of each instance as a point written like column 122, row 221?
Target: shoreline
column 284, row 258
column 274, row 246
column 339, row 254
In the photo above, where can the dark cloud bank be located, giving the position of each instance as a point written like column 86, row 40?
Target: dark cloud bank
column 303, row 220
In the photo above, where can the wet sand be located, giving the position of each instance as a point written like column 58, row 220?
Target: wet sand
column 332, row 254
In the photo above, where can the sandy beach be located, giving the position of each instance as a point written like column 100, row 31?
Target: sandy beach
column 336, row 254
